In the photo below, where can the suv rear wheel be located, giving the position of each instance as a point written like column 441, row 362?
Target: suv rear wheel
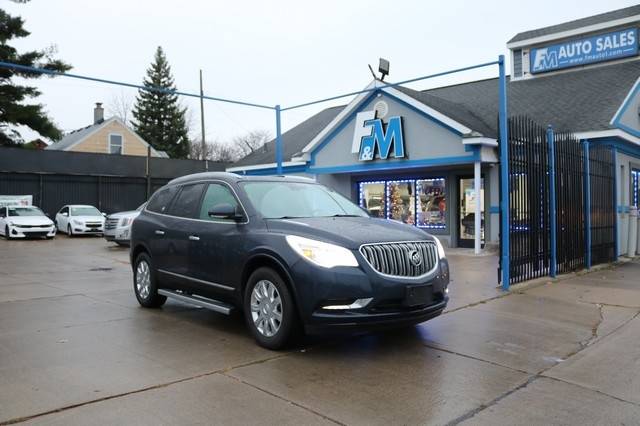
column 144, row 283
column 268, row 309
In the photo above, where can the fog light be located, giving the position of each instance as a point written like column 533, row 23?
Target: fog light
column 357, row 304
column 14, row 232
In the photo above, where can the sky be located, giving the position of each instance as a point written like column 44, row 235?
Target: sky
column 270, row 52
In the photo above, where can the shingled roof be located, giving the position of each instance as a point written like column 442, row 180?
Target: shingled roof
column 579, row 101
column 578, row 23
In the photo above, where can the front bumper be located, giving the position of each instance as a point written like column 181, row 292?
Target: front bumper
column 119, row 234
column 392, row 299
column 85, row 229
column 32, row 231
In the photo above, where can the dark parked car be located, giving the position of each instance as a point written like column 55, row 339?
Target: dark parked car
column 288, row 252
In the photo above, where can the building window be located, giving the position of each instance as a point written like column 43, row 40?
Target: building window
column 517, row 63
column 401, row 201
column 373, row 198
column 115, row 144
column 419, row 202
column 432, row 203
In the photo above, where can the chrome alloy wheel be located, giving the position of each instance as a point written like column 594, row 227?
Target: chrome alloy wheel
column 266, row 308
column 143, row 279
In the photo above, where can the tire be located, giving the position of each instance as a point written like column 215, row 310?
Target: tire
column 7, row 235
column 69, row 231
column 261, row 326
column 148, row 298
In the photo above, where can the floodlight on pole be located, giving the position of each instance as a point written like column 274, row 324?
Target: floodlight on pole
column 383, row 68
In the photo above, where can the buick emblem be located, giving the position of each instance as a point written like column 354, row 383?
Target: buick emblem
column 415, row 257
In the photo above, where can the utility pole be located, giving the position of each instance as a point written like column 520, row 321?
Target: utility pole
column 204, row 144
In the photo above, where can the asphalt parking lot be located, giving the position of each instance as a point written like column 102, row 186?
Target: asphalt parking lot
column 75, row 348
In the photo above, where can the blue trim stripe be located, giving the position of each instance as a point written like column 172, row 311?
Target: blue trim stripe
column 396, row 165
column 494, row 209
column 618, row 116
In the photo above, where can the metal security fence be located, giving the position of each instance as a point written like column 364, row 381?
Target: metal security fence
column 603, row 206
column 561, row 209
column 111, row 183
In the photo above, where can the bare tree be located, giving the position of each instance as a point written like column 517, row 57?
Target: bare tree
column 214, row 151
column 250, row 142
column 120, row 106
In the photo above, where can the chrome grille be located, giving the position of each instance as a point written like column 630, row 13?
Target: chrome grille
column 395, row 258
column 111, row 223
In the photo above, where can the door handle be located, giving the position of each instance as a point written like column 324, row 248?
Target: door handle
column 194, row 238
column 159, row 232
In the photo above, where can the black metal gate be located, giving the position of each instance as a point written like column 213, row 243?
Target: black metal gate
column 603, row 206
column 528, row 200
column 569, row 170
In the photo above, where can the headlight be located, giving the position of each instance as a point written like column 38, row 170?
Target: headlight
column 125, row 221
column 441, row 254
column 322, row 254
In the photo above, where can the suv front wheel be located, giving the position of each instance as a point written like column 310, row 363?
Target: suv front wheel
column 269, row 310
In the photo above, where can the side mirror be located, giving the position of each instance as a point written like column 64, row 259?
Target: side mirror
column 104, row 214
column 225, row 211
column 65, row 214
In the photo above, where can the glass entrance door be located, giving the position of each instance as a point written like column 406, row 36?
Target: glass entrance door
column 466, row 212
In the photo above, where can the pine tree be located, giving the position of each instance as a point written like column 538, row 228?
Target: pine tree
column 157, row 116
column 14, row 109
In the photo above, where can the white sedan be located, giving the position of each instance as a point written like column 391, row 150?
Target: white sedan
column 80, row 219
column 24, row 222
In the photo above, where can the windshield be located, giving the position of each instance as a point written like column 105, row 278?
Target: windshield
column 85, row 211
column 278, row 200
column 25, row 211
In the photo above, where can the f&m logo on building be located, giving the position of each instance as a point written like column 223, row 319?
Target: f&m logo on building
column 371, row 137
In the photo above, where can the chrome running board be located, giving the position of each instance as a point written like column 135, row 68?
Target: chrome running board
column 203, row 302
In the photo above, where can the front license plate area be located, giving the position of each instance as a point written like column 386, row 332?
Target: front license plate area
column 418, row 295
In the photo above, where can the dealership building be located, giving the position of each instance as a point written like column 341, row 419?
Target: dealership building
column 413, row 155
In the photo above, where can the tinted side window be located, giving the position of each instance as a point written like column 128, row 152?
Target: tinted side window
column 216, row 194
column 187, row 201
column 161, row 200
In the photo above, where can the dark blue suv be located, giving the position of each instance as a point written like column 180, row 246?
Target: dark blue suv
column 289, row 253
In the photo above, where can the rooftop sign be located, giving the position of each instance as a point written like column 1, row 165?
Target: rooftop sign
column 599, row 48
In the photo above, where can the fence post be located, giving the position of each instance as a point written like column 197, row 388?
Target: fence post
column 504, row 174
column 148, row 171
column 587, row 204
column 278, row 142
column 552, row 201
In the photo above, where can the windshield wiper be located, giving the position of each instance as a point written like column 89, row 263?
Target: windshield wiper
column 345, row 215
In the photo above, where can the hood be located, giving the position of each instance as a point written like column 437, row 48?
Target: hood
column 88, row 218
column 120, row 215
column 350, row 232
column 30, row 220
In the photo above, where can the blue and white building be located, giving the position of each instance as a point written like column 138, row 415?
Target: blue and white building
column 413, row 155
